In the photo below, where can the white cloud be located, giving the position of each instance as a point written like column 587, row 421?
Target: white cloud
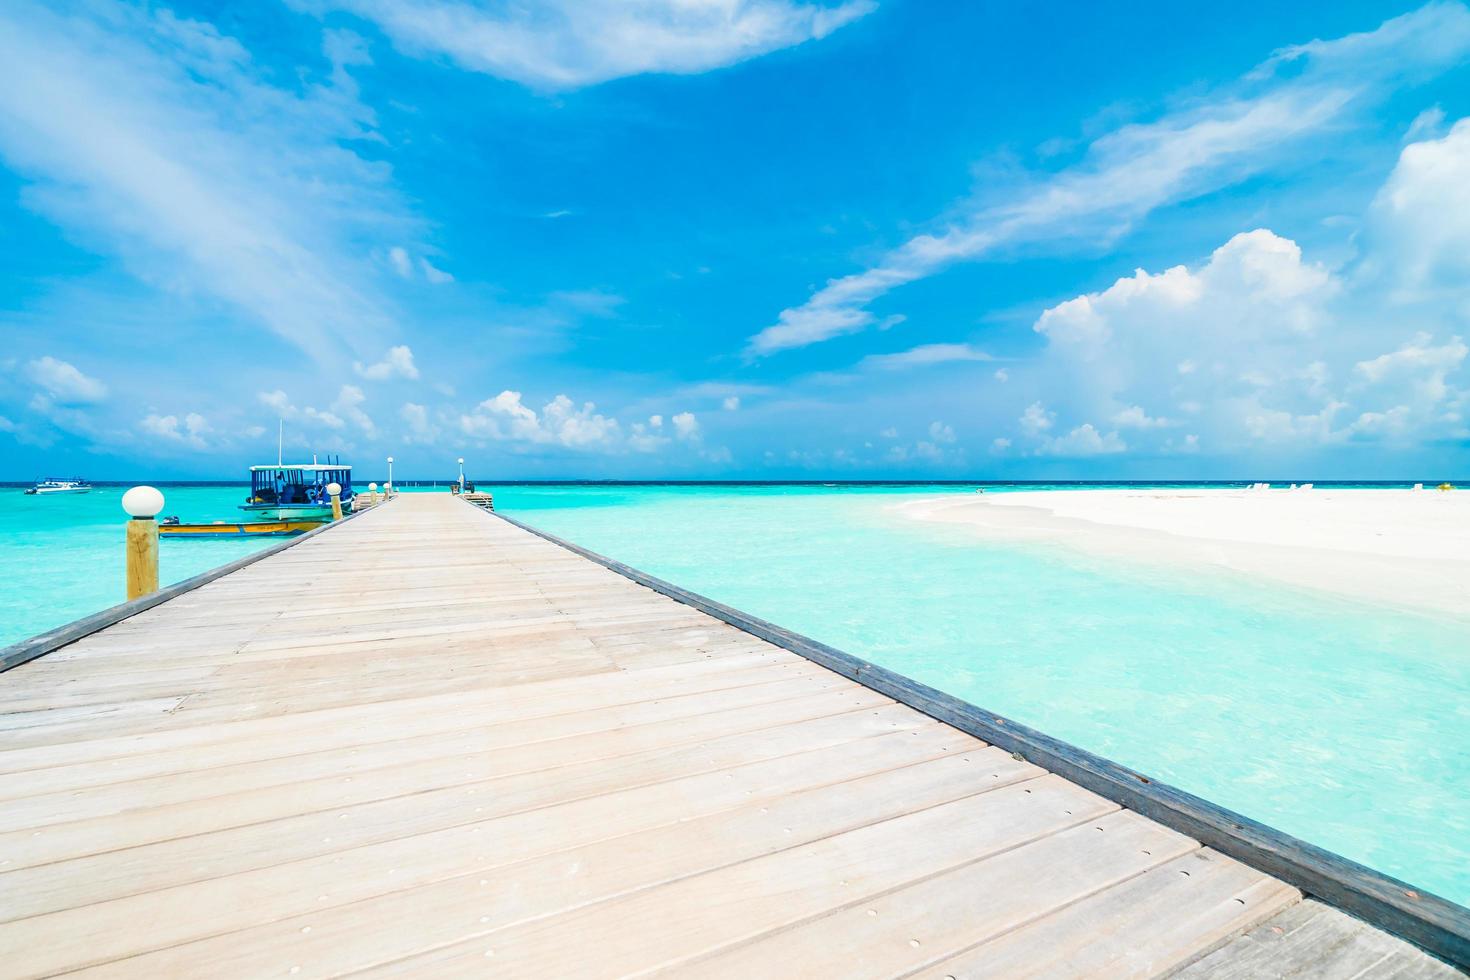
column 731, row 403
column 190, row 431
column 560, row 422
column 349, row 405
column 1084, row 441
column 278, row 401
column 1254, row 346
column 925, row 355
column 686, row 426
column 320, row 417
column 940, row 432
column 402, row 264
column 1421, row 218
column 1002, row 375
column 1129, row 172
column 159, row 139
column 1134, row 417
column 1420, row 355
column 433, row 274
column 645, row 437
column 345, row 409
column 420, row 429
column 398, row 362
column 565, row 44
column 1036, row 419
column 889, row 433
column 1425, row 125
column 63, row 383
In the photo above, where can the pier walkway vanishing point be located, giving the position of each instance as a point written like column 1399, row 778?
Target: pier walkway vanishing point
column 428, row 742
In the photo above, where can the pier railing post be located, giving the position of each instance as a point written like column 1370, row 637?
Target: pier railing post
column 142, row 504
column 334, row 490
column 372, row 493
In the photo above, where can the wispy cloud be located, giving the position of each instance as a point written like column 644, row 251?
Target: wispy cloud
column 924, row 356
column 567, row 44
column 1124, row 175
column 63, row 383
column 159, row 139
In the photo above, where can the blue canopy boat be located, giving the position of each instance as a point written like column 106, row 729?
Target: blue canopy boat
column 296, row 491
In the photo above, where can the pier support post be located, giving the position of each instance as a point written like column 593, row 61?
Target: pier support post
column 334, row 490
column 142, row 504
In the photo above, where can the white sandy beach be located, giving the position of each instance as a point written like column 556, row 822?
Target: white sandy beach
column 1397, row 547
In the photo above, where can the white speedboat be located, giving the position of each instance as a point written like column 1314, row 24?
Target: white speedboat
column 50, row 485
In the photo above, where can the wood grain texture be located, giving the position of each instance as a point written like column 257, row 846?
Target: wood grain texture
column 493, row 749
column 1313, row 940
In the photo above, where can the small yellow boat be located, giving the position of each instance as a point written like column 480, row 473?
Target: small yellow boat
column 243, row 529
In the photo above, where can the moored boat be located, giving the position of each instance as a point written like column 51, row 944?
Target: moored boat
column 296, row 491
column 242, row 529
column 51, row 485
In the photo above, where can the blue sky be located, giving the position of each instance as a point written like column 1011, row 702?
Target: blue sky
column 736, row 238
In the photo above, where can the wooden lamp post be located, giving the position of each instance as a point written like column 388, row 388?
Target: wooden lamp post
column 142, row 505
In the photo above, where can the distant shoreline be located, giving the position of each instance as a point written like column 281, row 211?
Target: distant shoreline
column 1392, row 547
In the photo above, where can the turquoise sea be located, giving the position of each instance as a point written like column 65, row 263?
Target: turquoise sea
column 63, row 554
column 1341, row 723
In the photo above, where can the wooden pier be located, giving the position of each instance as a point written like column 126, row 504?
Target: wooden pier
column 428, row 742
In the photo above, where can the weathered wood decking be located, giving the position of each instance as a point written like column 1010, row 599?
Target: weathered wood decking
column 428, row 742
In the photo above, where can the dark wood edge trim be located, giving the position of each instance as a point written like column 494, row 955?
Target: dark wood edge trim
column 1435, row 924
column 38, row 646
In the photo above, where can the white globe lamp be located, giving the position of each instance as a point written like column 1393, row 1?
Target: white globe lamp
column 142, row 502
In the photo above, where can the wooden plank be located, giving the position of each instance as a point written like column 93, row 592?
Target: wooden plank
column 618, row 728
column 218, row 906
column 322, row 726
column 1312, row 940
column 347, row 937
column 697, row 915
column 894, row 934
column 112, row 874
column 1144, row 927
column 135, row 819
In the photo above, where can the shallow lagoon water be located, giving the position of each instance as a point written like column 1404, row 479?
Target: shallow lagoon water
column 63, row 558
column 1345, row 725
column 1339, row 723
